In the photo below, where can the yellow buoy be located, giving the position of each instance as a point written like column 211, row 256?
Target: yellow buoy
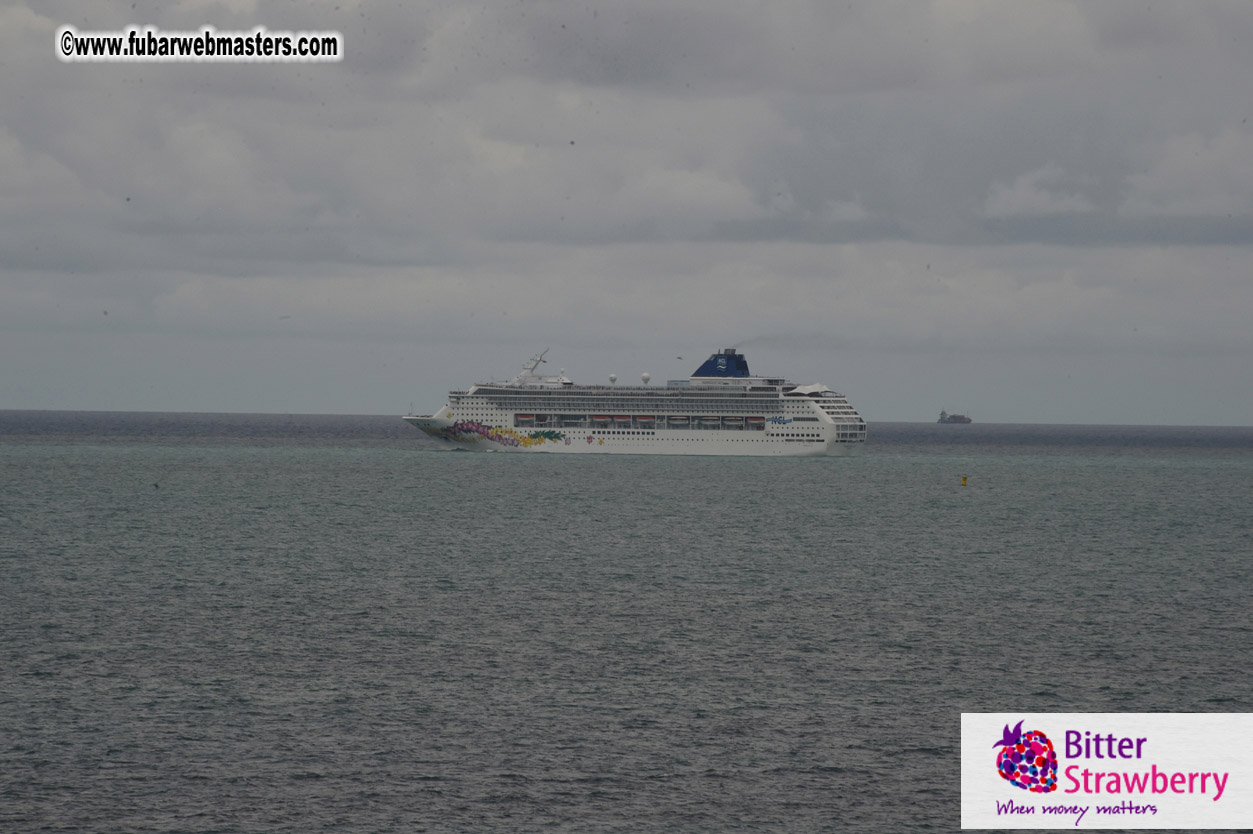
column 963, row 480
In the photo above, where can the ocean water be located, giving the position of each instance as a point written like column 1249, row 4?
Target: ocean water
column 237, row 623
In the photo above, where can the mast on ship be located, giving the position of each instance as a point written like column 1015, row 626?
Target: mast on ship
column 529, row 379
column 528, row 368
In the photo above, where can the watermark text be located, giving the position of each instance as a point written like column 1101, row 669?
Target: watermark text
column 147, row 43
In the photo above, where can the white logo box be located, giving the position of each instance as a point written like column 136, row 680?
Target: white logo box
column 1144, row 770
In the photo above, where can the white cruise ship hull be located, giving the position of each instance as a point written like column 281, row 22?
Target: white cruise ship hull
column 471, row 436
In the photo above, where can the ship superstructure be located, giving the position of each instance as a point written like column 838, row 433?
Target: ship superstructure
column 722, row 409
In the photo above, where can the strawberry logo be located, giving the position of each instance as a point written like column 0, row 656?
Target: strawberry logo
column 1027, row 760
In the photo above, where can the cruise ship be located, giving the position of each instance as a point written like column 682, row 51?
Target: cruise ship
column 722, row 409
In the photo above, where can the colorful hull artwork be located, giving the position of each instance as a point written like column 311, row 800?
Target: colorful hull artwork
column 469, row 431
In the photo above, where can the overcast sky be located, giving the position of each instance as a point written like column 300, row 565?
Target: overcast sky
column 1033, row 212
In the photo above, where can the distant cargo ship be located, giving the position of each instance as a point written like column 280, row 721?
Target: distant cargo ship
column 945, row 417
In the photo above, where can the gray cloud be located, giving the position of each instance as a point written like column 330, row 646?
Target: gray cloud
column 863, row 185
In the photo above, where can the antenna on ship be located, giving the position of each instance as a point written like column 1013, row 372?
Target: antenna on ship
column 613, row 378
column 646, row 377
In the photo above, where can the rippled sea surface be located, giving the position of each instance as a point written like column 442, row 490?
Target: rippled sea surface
column 318, row 624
